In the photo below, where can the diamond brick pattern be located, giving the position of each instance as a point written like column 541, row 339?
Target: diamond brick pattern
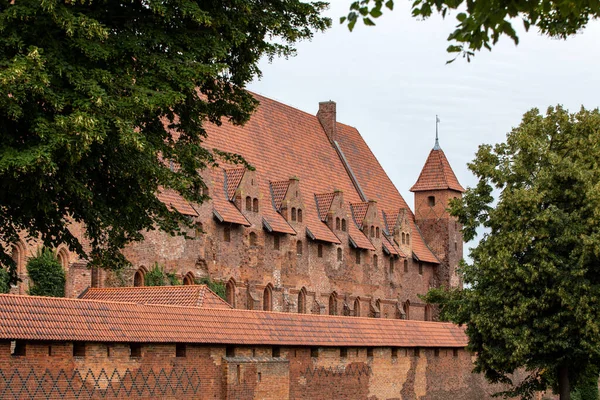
column 51, row 319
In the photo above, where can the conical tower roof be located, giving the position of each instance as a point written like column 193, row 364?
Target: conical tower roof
column 437, row 173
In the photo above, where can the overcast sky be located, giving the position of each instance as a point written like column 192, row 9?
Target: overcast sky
column 390, row 81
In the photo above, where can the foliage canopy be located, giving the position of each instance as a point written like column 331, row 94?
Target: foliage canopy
column 46, row 274
column 481, row 23
column 87, row 89
column 533, row 287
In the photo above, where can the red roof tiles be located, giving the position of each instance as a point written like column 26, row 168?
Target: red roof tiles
column 233, row 177
column 437, row 174
column 358, row 238
column 359, row 210
column 390, row 248
column 57, row 319
column 320, row 231
column 224, row 210
column 183, row 295
column 324, row 201
column 174, row 200
column 278, row 191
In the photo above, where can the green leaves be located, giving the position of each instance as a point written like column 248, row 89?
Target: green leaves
column 482, row 23
column 86, row 89
column 47, row 276
column 532, row 289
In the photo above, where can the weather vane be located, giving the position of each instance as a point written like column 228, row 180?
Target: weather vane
column 437, row 143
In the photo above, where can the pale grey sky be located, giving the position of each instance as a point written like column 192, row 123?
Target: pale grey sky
column 390, row 81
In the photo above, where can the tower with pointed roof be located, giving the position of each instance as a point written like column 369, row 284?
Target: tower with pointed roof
column 436, row 186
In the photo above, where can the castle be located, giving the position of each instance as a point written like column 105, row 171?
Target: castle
column 317, row 227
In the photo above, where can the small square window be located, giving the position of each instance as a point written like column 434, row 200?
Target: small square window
column 370, row 352
column 276, row 352
column 180, row 350
column 135, row 350
column 230, row 351
column 78, row 349
column 314, row 352
column 343, row 352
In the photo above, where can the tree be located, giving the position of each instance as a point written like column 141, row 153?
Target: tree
column 47, row 276
column 103, row 104
column 533, row 287
column 4, row 281
column 481, row 23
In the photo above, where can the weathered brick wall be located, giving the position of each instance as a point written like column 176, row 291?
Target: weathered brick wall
column 49, row 370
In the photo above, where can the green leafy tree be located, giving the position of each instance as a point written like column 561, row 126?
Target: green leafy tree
column 533, row 287
column 156, row 276
column 217, row 287
column 46, row 274
column 87, row 91
column 4, row 281
column 481, row 23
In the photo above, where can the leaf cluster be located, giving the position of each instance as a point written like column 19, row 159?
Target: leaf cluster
column 218, row 287
column 533, row 288
column 481, row 23
column 46, row 274
column 104, row 103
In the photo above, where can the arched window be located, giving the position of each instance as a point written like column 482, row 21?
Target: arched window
column 189, row 279
column 405, row 265
column 255, row 205
column 302, row 301
column 299, row 215
column 377, row 232
column 357, row 307
column 427, row 312
column 391, row 265
column 339, row 254
column 378, row 305
column 248, row 203
column 406, row 308
column 227, row 233
column 230, row 292
column 403, row 238
column 319, row 250
column 343, row 224
column 407, row 238
column 372, row 231
column 253, row 239
column 63, row 258
column 17, row 256
column 138, row 278
column 337, row 223
column 375, row 260
column 293, row 214
column 268, row 298
column 299, row 247
column 431, row 201
column 333, row 304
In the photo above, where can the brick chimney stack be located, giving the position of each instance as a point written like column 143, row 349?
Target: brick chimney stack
column 327, row 118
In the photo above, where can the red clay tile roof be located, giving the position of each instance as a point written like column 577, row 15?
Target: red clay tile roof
column 437, row 174
column 359, row 210
column 324, row 201
column 224, row 210
column 278, row 191
column 389, row 219
column 233, row 177
column 391, row 248
column 376, row 184
column 57, row 319
column 183, row 295
column 320, row 231
column 172, row 199
column 358, row 238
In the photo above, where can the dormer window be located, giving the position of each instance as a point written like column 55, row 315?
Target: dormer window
column 407, row 238
column 255, row 205
column 431, row 201
column 293, row 214
column 372, row 231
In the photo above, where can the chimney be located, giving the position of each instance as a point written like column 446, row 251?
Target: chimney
column 327, row 118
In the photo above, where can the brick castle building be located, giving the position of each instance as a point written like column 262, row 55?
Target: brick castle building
column 317, row 227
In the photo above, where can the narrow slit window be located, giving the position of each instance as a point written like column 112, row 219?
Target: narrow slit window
column 343, row 225
column 248, row 203
column 227, row 234
column 320, row 250
column 337, row 224
column 299, row 215
column 339, row 254
column 294, row 214
column 255, row 205
column 357, row 256
column 299, row 247
column 276, row 242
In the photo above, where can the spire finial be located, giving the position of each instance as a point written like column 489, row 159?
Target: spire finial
column 437, row 142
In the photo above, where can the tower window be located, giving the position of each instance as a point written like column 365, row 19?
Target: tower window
column 299, row 247
column 357, row 256
column 343, row 225
column 276, row 242
column 377, row 232
column 337, row 224
column 293, row 213
column 248, row 203
column 431, row 201
column 255, row 205
column 299, row 215
column 320, row 250
column 339, row 254
column 227, row 234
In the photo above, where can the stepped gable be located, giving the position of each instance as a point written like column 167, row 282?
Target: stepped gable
column 437, row 174
column 281, row 141
column 376, row 184
column 233, row 177
column 59, row 319
column 324, row 201
column 174, row 200
column 183, row 295
column 223, row 209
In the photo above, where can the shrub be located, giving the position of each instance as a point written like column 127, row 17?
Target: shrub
column 217, row 287
column 47, row 276
column 4, row 279
column 156, row 276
